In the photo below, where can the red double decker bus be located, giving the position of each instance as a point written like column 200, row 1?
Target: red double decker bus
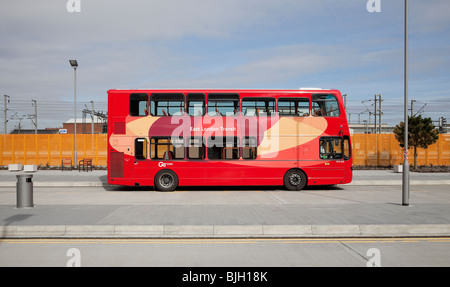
column 171, row 138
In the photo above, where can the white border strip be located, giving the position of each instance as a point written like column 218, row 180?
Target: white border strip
column 222, row 231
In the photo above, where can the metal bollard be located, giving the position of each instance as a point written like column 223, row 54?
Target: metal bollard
column 24, row 191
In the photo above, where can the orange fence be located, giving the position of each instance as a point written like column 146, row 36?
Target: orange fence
column 384, row 150
column 49, row 150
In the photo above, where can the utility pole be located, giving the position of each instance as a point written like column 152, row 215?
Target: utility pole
column 367, row 109
column 20, row 121
column 345, row 102
column 375, row 116
column 92, row 117
column 92, row 128
column 379, row 111
column 412, row 108
column 6, row 109
column 34, row 104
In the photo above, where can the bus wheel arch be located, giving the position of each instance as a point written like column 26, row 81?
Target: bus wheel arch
column 295, row 179
column 166, row 180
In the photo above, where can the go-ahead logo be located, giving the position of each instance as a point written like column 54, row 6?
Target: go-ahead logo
column 164, row 164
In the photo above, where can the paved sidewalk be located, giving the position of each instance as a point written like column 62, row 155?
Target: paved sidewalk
column 54, row 178
column 82, row 205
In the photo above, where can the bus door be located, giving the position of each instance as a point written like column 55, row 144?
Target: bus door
column 140, row 165
column 347, row 150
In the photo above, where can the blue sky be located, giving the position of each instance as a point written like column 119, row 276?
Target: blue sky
column 262, row 44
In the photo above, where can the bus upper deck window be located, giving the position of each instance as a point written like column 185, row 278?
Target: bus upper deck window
column 138, row 105
column 196, row 104
column 223, row 104
column 259, row 107
column 297, row 107
column 325, row 106
column 167, row 104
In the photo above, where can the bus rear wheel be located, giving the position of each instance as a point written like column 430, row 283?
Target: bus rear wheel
column 166, row 180
column 295, row 180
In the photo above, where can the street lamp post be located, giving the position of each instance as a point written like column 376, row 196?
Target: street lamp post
column 74, row 64
column 405, row 179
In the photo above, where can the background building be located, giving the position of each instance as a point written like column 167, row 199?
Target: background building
column 84, row 126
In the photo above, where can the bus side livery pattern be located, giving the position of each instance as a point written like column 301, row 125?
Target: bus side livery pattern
column 171, row 138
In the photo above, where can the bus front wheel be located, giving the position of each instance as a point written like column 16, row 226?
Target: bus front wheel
column 166, row 180
column 295, row 180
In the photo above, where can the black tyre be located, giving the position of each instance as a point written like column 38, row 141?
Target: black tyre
column 295, row 180
column 166, row 180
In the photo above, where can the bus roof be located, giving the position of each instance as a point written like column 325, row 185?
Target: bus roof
column 301, row 90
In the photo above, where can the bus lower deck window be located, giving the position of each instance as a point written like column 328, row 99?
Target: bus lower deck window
column 196, row 148
column 223, row 148
column 249, row 148
column 331, row 148
column 167, row 148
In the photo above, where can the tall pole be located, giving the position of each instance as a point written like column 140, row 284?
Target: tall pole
column 6, row 112
column 92, row 129
column 75, row 116
column 375, row 116
column 376, row 132
column 74, row 64
column 33, row 102
column 379, row 111
column 405, row 180
column 345, row 102
column 92, row 119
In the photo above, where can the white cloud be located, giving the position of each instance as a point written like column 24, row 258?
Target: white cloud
column 430, row 16
column 140, row 20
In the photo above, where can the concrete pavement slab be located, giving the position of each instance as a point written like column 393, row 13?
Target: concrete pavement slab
column 354, row 211
column 57, row 178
